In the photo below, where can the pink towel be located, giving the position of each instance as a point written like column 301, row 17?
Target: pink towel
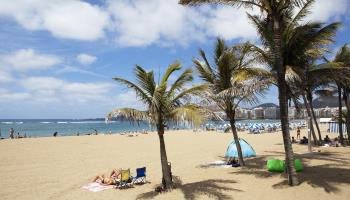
column 97, row 187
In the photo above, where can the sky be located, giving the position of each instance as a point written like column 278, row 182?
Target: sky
column 58, row 57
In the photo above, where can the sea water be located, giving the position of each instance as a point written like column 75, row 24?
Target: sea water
column 66, row 127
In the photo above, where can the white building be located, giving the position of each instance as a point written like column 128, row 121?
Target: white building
column 271, row 113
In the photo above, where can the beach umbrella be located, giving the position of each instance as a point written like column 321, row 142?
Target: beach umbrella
column 247, row 150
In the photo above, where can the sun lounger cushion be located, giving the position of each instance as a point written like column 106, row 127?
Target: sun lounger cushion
column 275, row 165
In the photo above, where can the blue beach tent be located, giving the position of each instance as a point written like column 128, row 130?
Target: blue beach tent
column 247, row 150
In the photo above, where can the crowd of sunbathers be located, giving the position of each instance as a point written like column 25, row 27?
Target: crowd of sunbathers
column 326, row 140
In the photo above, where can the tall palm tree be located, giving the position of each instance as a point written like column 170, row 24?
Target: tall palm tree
column 164, row 102
column 230, row 81
column 275, row 13
column 320, row 75
column 342, row 58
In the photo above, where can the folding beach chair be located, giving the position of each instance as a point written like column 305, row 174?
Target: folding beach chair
column 125, row 179
column 140, row 177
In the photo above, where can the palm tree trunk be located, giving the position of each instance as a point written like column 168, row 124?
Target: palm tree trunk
column 238, row 145
column 167, row 179
column 309, row 97
column 283, row 102
column 311, row 123
column 340, row 123
column 347, row 104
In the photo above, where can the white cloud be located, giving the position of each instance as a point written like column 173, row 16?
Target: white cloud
column 71, row 69
column 142, row 23
column 325, row 10
column 28, row 59
column 5, row 76
column 50, row 89
column 71, row 19
column 230, row 23
column 128, row 99
column 165, row 22
column 86, row 59
column 6, row 95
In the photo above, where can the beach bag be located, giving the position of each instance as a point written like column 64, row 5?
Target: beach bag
column 275, row 165
column 298, row 165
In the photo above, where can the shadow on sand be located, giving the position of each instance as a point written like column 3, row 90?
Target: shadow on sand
column 213, row 188
column 326, row 176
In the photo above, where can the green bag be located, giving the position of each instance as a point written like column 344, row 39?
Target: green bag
column 276, row 165
column 298, row 165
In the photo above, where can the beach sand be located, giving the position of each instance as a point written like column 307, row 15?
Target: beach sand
column 56, row 168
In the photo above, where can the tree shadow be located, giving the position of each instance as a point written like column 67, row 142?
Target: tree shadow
column 213, row 188
column 326, row 176
column 322, row 176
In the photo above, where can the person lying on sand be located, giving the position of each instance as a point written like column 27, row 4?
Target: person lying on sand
column 110, row 180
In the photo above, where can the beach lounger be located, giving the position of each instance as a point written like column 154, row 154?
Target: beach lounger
column 140, row 177
column 125, row 179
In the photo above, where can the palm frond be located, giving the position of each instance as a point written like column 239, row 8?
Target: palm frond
column 146, row 98
column 205, row 72
column 171, row 69
column 145, row 79
column 181, row 81
column 129, row 114
column 195, row 90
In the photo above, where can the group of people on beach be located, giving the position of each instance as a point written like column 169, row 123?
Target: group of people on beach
column 108, row 180
column 12, row 134
column 326, row 140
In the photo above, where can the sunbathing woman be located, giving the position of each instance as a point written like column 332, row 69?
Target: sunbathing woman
column 111, row 180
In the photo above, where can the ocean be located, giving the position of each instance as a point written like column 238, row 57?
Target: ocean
column 66, row 127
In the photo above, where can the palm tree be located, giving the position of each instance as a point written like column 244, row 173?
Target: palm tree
column 342, row 59
column 343, row 56
column 275, row 14
column 230, row 82
column 164, row 102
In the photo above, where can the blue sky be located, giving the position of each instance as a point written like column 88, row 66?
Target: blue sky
column 57, row 58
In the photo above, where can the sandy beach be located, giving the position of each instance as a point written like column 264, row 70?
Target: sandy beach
column 57, row 168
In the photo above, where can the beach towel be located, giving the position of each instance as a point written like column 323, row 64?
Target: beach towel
column 218, row 163
column 97, row 187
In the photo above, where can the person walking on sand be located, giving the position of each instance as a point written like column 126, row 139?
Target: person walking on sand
column 298, row 133
column 12, row 132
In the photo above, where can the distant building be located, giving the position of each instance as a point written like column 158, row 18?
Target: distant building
column 271, row 113
column 258, row 113
column 250, row 114
column 292, row 112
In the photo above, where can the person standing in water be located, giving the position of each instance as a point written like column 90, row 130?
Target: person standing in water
column 12, row 132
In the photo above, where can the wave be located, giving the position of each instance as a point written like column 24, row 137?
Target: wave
column 87, row 122
column 19, row 122
column 7, row 122
column 45, row 122
column 62, row 122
